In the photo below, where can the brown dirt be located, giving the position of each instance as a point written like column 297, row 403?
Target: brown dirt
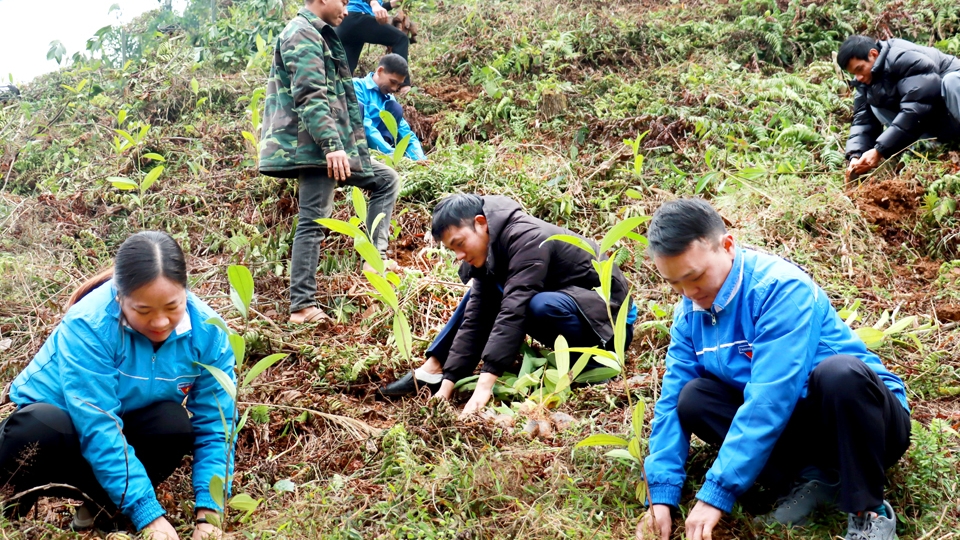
column 888, row 203
column 452, row 93
column 421, row 124
column 948, row 312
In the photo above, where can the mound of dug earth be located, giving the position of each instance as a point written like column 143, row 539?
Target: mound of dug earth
column 888, row 203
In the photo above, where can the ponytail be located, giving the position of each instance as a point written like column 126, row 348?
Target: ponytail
column 102, row 277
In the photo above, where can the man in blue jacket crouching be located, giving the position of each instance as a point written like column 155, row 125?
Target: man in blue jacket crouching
column 761, row 365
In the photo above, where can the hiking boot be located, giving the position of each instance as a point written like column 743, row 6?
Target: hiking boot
column 872, row 526
column 405, row 386
column 795, row 508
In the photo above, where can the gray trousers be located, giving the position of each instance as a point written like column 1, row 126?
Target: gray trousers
column 316, row 201
column 949, row 89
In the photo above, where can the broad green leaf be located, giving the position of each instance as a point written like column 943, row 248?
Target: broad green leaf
column 620, row 329
column 900, row 325
column 154, row 156
column 262, row 366
column 122, row 183
column 82, row 84
column 620, row 453
column 126, row 135
column 871, row 337
column 241, row 288
column 151, row 177
column 376, row 223
column 243, row 420
column 597, row 375
column 528, row 360
column 562, row 355
column 143, row 132
column 392, row 277
column 244, row 503
column 552, row 376
column 360, row 205
column 401, row 333
column 216, row 490
column 284, row 486
column 578, row 367
column 575, row 240
column 638, row 411
column 222, row 378
column 369, row 253
column 463, row 382
column 121, row 117
column 239, row 347
column 401, row 149
column 528, row 380
column 602, row 439
column 705, row 180
column 384, row 288
column 390, row 122
column 341, row 227
column 634, row 448
column 595, row 351
column 194, row 85
column 606, row 279
column 216, row 321
column 249, row 136
column 620, row 230
column 634, row 194
column 884, row 319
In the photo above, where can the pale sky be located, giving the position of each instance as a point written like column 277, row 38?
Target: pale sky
column 28, row 26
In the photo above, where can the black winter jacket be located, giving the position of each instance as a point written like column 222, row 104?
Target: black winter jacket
column 517, row 262
column 906, row 78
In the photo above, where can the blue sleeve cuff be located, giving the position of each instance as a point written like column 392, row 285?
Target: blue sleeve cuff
column 204, row 500
column 144, row 512
column 665, row 494
column 717, row 496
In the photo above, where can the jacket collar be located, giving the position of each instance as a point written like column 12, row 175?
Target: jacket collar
column 317, row 22
column 731, row 286
column 879, row 64
column 369, row 84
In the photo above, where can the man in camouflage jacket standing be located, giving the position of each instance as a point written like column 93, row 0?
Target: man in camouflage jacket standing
column 313, row 131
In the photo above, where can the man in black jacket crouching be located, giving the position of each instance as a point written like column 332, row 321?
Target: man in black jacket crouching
column 914, row 91
column 520, row 285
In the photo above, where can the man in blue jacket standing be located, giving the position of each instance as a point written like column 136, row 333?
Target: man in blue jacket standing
column 375, row 94
column 911, row 90
column 761, row 365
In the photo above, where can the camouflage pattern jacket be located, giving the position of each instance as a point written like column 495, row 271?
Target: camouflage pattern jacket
column 311, row 107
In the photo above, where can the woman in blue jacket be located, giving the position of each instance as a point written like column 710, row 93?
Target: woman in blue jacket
column 115, row 398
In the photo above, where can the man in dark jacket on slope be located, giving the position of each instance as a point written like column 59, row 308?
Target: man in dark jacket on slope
column 520, row 285
column 914, row 91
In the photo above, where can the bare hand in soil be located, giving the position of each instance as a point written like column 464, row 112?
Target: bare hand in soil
column 207, row 531
column 647, row 528
column 160, row 529
column 865, row 163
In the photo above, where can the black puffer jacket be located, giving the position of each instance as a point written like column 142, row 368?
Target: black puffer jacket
column 517, row 261
column 906, row 78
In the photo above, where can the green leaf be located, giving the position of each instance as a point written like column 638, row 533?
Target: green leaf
column 602, row 439
column 595, row 351
column 463, row 382
column 575, row 240
column 154, row 156
column 384, row 288
column 284, row 486
column 578, row 367
column 194, row 85
column 122, row 183
column 243, row 421
column 121, row 117
column 871, row 337
column 392, row 277
column 620, row 230
column 151, row 177
column 249, row 136
column 638, row 411
column 562, row 354
column 620, row 453
column 243, row 503
column 239, row 347
column 262, row 366
column 360, row 205
column 341, row 227
column 241, row 288
column 634, row 194
column 401, row 149
column 401, row 334
column 216, row 490
column 529, row 356
column 213, row 519
column 900, row 325
column 126, row 135
column 390, row 122
column 606, row 279
column 376, row 223
column 634, row 448
column 225, row 381
column 369, row 253
column 704, row 180
column 218, row 322
column 597, row 375
column 620, row 330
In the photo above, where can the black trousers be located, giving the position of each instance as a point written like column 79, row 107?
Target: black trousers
column 849, row 422
column 358, row 29
column 39, row 446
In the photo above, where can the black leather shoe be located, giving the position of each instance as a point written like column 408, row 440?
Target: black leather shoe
column 405, row 386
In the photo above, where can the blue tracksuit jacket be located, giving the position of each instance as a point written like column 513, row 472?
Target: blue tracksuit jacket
column 372, row 101
column 92, row 361
column 769, row 326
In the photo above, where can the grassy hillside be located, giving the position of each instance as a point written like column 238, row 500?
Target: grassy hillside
column 736, row 101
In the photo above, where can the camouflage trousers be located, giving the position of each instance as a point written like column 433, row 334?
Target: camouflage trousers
column 316, row 201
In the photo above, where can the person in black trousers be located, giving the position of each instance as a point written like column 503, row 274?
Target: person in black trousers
column 367, row 22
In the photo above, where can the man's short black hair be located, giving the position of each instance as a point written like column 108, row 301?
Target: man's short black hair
column 677, row 224
column 855, row 47
column 455, row 211
column 395, row 64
